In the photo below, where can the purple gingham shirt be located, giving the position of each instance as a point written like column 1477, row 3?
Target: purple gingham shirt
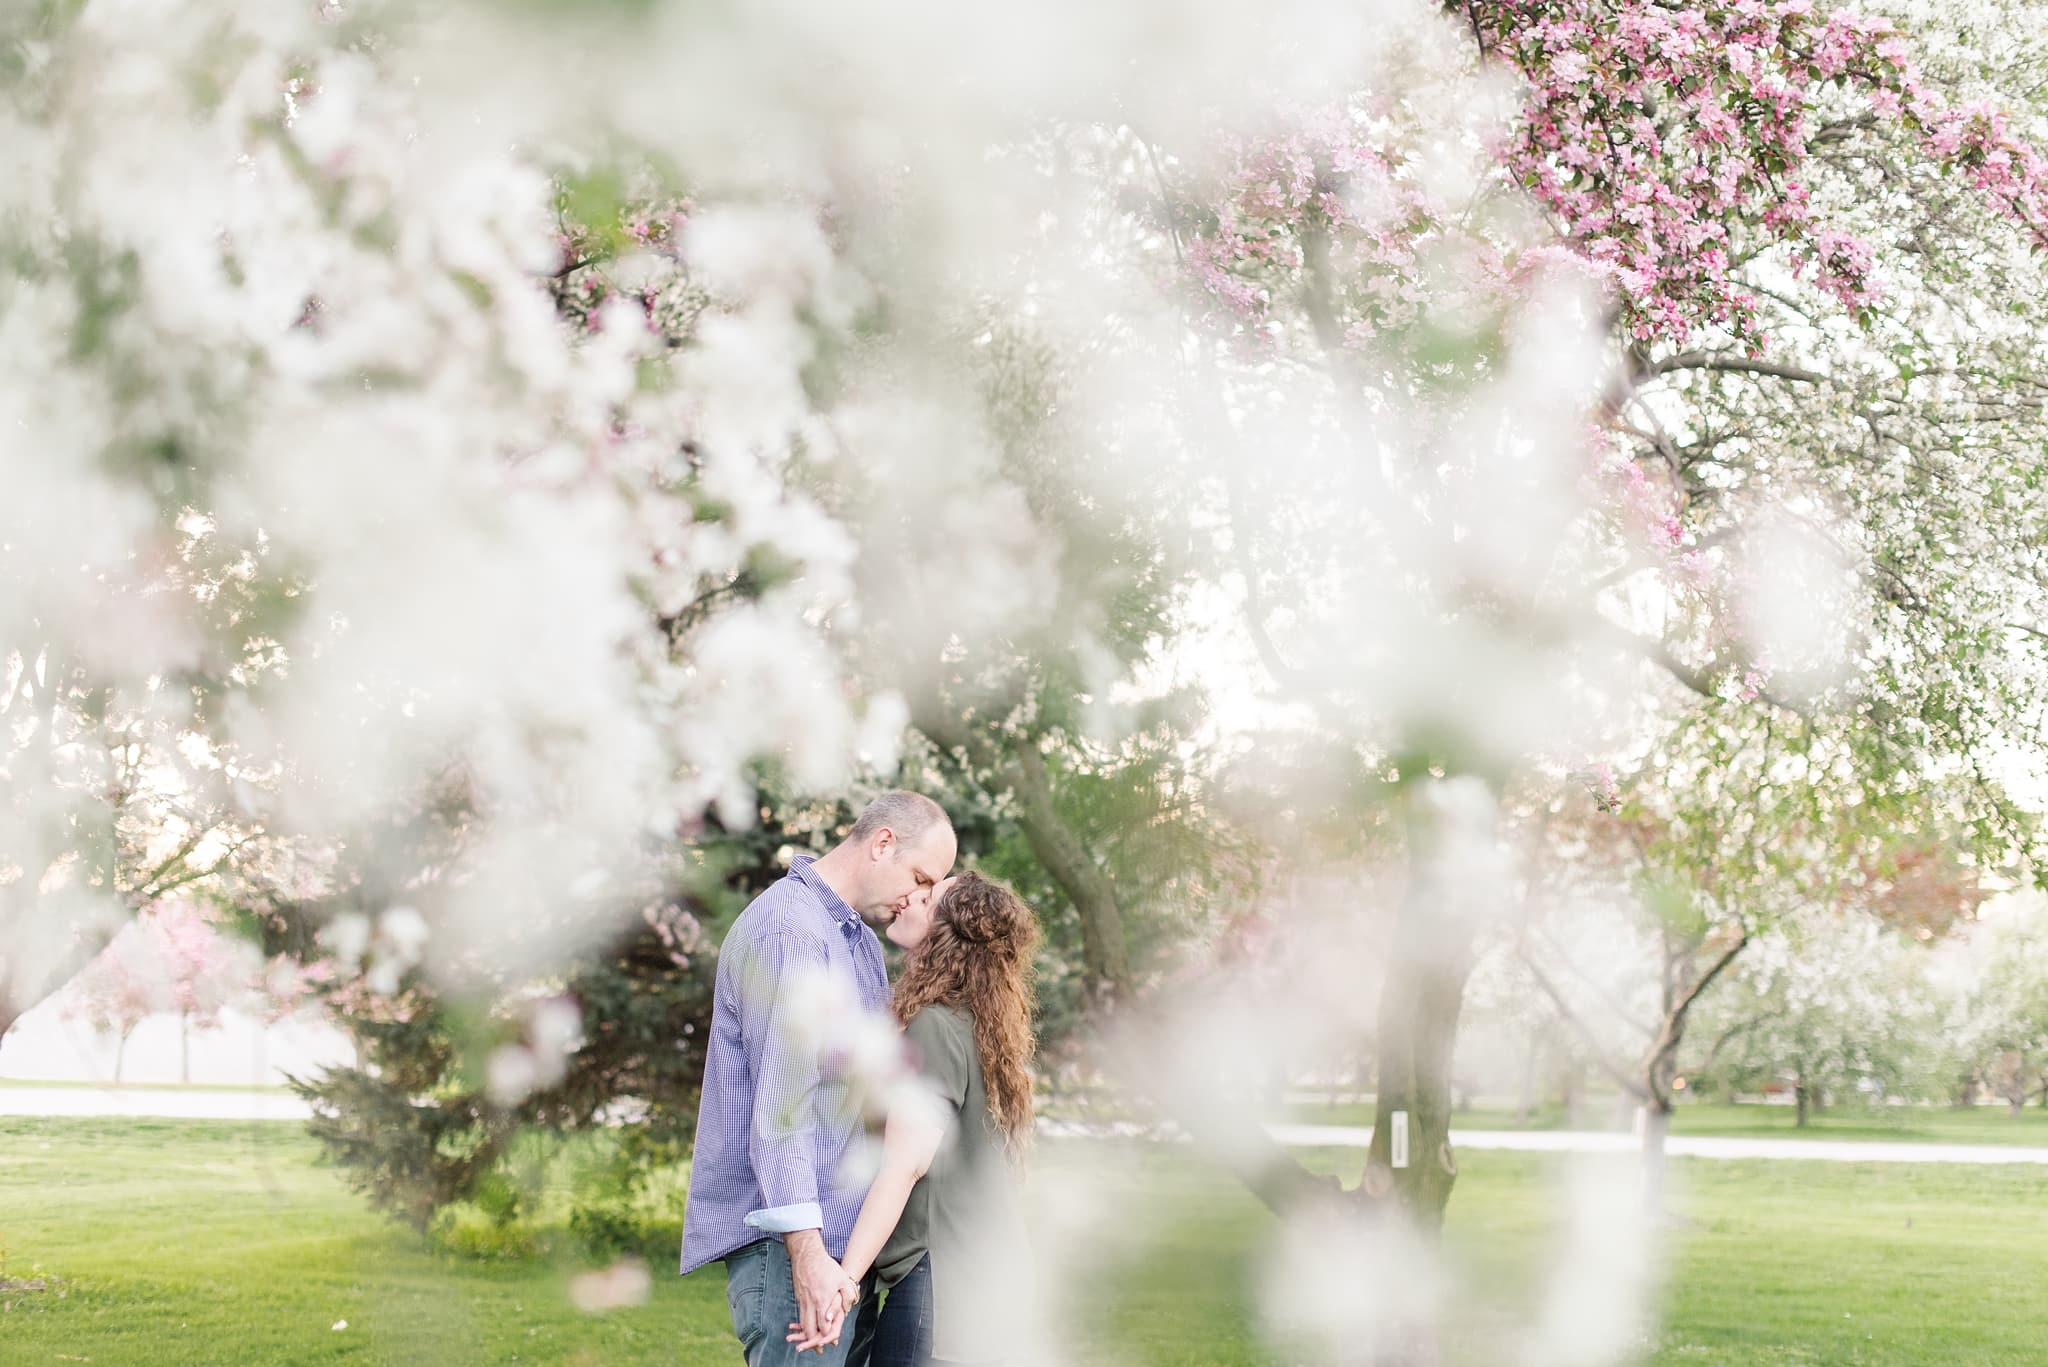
column 773, row 1135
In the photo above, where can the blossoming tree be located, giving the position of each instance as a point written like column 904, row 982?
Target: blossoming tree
column 173, row 958
column 1534, row 380
column 1805, row 468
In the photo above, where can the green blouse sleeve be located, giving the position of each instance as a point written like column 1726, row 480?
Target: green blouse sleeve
column 941, row 1046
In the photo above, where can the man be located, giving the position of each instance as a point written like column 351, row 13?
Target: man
column 768, row 1190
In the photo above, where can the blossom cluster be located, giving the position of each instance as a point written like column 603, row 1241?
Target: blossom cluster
column 1326, row 174
column 326, row 463
column 1670, row 141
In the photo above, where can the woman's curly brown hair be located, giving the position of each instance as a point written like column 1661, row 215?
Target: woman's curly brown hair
column 977, row 957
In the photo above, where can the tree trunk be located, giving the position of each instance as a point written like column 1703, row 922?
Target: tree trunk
column 1655, row 1121
column 184, row 1048
column 1525, row 1101
column 1428, row 960
column 1410, row 1155
column 120, row 1051
column 1410, row 1162
column 1966, row 1095
column 1105, row 954
column 1799, row 1102
column 1570, row 1086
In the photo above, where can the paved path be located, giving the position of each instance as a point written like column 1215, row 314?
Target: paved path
column 178, row 1104
column 1682, row 1146
column 201, row 1104
column 1608, row 1141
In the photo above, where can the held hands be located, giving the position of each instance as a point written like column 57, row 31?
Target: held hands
column 821, row 1291
column 849, row 1297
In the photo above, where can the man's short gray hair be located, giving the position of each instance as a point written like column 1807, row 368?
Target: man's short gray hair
column 908, row 814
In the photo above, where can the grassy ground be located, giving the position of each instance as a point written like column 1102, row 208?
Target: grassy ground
column 1929, row 1124
column 185, row 1242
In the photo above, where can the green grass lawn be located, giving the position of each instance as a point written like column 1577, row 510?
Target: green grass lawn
column 186, row 1242
column 1928, row 1124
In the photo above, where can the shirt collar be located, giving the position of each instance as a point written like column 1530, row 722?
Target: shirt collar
column 835, row 905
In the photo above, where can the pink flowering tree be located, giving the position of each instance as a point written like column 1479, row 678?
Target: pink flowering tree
column 1669, row 144
column 463, row 530
column 173, row 959
column 1791, row 535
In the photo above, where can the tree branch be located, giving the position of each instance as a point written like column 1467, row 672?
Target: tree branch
column 1698, row 680
column 1594, row 1049
column 1734, row 1032
column 1607, row 998
column 1674, row 1019
column 146, row 889
column 1735, row 363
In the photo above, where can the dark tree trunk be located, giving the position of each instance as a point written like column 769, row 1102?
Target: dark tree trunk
column 1104, row 952
column 1801, row 1099
column 1410, row 1163
column 1428, row 961
column 1410, row 1157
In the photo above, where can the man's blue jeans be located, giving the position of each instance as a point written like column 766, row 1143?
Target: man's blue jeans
column 763, row 1304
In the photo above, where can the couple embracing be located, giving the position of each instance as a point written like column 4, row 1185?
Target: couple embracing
column 920, row 1264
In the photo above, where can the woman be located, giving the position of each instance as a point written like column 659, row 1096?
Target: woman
column 940, row 1224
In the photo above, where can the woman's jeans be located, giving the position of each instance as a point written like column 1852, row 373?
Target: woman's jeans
column 903, row 1337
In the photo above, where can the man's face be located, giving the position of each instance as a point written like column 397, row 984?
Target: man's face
column 901, row 874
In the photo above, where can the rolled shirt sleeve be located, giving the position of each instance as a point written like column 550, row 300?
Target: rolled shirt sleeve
column 782, row 1135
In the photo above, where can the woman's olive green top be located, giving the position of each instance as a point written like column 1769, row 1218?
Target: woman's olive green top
column 964, row 1210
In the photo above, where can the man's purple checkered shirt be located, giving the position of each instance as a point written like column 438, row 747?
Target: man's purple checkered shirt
column 772, row 1135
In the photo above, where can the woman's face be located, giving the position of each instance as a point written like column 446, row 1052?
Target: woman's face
column 914, row 922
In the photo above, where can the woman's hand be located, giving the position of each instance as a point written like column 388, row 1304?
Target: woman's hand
column 849, row 1297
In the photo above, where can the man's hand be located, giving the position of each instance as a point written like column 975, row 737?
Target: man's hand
column 818, row 1282
column 849, row 1297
